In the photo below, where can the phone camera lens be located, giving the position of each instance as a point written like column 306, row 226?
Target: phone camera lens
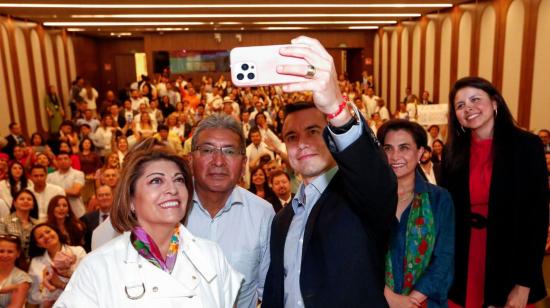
column 251, row 76
column 244, row 67
column 240, row 76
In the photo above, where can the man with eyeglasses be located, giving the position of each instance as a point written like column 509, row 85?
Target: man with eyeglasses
column 233, row 217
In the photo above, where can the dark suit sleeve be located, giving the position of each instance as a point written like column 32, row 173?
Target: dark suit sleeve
column 370, row 182
column 533, row 181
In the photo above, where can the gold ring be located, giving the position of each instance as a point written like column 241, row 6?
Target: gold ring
column 310, row 71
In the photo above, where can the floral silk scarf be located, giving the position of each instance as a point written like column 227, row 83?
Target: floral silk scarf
column 419, row 244
column 147, row 248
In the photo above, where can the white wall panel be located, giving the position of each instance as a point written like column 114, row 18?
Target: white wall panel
column 4, row 115
column 9, row 66
column 384, row 56
column 50, row 61
column 404, row 62
column 464, row 45
column 511, row 71
column 540, row 101
column 487, row 43
column 65, row 88
column 430, row 59
column 445, row 61
column 39, row 76
column 377, row 64
column 70, row 57
column 393, row 75
column 24, row 74
column 416, row 61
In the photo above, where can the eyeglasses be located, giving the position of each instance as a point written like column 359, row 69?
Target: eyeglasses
column 208, row 151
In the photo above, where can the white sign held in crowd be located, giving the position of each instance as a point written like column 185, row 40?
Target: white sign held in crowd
column 432, row 114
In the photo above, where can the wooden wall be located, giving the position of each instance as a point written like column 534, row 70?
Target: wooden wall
column 31, row 58
column 504, row 41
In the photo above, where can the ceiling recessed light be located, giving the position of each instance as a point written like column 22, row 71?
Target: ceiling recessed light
column 363, row 27
column 195, row 6
column 326, row 22
column 119, row 24
column 189, row 16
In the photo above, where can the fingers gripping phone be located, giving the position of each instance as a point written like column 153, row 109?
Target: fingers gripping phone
column 255, row 66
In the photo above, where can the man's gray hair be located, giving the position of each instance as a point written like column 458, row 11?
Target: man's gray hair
column 223, row 121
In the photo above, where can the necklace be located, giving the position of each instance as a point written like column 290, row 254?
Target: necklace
column 404, row 196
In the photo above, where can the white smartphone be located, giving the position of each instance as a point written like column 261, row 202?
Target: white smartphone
column 255, row 66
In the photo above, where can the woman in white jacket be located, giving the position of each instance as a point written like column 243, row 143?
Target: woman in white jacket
column 156, row 262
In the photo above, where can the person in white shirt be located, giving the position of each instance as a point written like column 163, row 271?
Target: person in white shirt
column 226, row 213
column 370, row 101
column 382, row 110
column 157, row 261
column 53, row 262
column 70, row 180
column 43, row 191
column 89, row 95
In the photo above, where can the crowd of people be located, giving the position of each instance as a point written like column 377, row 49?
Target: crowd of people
column 309, row 194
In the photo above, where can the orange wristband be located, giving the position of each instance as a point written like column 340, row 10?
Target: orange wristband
column 341, row 107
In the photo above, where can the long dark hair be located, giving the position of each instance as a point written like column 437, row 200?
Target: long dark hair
column 268, row 192
column 13, row 182
column 34, row 210
column 74, row 227
column 34, row 249
column 458, row 140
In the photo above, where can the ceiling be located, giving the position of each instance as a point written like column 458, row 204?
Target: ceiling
column 135, row 17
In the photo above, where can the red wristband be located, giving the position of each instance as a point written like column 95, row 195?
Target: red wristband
column 341, row 107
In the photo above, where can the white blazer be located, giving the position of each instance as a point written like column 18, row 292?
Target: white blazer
column 115, row 275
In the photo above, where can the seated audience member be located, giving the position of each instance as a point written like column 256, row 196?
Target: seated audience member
column 110, row 100
column 173, row 141
column 61, row 216
column 85, row 131
column 66, row 134
column 382, row 110
column 268, row 136
column 104, row 200
column 280, row 183
column 90, row 162
column 434, row 133
column 45, row 160
column 38, row 144
column 104, row 135
column 259, row 185
column 16, row 181
column 121, row 148
column 71, row 181
column 544, row 135
column 75, row 159
column 257, row 148
column 53, row 262
column 438, row 148
column 402, row 113
column 24, row 214
column 430, row 170
column 14, row 138
column 426, row 98
column 14, row 283
column 419, row 263
column 155, row 193
column 88, row 119
column 43, row 191
column 4, row 159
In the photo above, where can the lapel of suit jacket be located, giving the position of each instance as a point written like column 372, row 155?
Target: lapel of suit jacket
column 312, row 219
column 283, row 223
